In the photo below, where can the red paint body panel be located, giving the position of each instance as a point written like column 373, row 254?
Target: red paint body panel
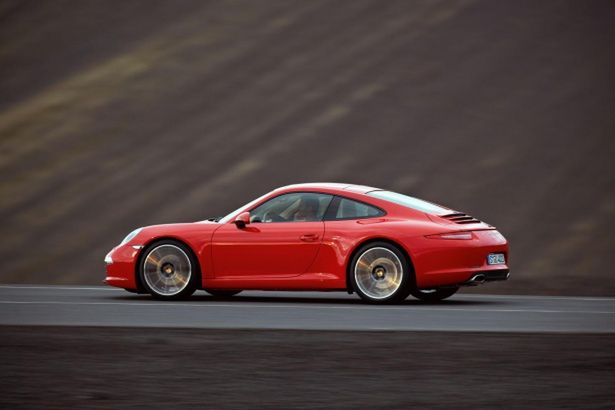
column 265, row 250
column 315, row 255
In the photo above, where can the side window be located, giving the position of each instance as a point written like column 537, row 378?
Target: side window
column 294, row 207
column 344, row 208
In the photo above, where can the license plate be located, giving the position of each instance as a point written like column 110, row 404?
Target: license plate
column 496, row 259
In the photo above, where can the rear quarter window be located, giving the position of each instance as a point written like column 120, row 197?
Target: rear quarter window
column 344, row 208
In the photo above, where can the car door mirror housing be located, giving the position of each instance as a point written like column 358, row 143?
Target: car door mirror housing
column 242, row 220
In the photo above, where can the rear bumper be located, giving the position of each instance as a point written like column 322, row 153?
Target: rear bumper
column 442, row 262
column 487, row 276
column 500, row 274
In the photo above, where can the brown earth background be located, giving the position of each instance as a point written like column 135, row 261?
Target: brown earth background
column 115, row 115
column 103, row 368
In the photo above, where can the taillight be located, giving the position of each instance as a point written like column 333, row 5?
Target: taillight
column 452, row 235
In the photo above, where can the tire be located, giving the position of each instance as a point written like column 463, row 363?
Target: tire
column 380, row 273
column 135, row 291
column 434, row 295
column 222, row 293
column 168, row 270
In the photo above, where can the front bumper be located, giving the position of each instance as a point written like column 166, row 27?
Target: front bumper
column 121, row 263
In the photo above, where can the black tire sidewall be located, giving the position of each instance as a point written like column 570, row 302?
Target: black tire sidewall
column 407, row 281
column 438, row 295
column 194, row 276
column 222, row 293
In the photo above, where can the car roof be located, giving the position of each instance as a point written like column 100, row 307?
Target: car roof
column 360, row 189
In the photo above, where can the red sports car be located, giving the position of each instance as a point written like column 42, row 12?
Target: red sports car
column 331, row 237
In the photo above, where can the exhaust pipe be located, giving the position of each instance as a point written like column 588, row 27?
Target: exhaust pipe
column 476, row 280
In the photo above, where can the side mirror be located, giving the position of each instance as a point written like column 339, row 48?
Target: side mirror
column 242, row 220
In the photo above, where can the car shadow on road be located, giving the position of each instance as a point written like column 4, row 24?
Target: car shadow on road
column 259, row 299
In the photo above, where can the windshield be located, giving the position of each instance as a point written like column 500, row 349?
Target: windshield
column 410, row 202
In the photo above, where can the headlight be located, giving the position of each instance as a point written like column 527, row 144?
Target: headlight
column 130, row 236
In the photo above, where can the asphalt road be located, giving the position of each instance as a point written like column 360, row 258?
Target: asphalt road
column 103, row 306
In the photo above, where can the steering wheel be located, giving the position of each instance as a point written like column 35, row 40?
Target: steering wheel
column 272, row 217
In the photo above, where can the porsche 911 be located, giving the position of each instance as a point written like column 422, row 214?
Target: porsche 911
column 381, row 245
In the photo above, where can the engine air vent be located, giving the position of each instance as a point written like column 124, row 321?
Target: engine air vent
column 460, row 218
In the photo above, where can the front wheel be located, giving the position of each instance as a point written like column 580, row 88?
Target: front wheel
column 169, row 270
column 434, row 295
column 380, row 273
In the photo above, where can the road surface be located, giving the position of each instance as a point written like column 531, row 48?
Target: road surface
column 104, row 306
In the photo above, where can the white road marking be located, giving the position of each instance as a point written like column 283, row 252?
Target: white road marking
column 53, row 287
column 252, row 306
column 591, row 298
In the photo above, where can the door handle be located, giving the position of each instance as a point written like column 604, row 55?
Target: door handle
column 309, row 237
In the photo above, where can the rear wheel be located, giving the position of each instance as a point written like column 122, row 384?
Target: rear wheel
column 434, row 295
column 223, row 293
column 380, row 273
column 169, row 270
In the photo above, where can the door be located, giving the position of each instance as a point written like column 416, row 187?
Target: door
column 281, row 240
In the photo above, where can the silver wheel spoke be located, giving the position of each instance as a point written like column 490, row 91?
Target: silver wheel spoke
column 167, row 270
column 378, row 273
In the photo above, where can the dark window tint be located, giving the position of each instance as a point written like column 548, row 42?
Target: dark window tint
column 294, row 207
column 344, row 208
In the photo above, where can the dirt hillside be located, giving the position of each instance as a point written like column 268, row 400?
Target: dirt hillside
column 115, row 115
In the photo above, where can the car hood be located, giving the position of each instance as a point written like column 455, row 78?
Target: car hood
column 177, row 229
